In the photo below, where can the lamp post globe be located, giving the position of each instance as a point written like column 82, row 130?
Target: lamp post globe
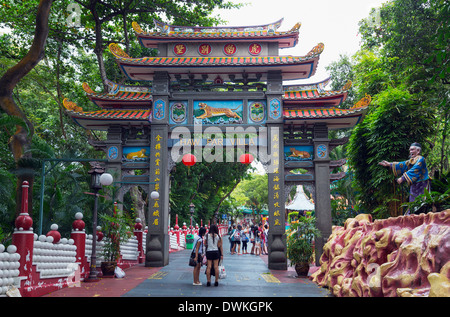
column 106, row 179
column 154, row 195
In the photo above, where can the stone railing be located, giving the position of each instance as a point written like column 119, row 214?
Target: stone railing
column 38, row 265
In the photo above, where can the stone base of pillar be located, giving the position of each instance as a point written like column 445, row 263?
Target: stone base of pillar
column 157, row 250
column 277, row 252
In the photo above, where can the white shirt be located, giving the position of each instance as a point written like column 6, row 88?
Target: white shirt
column 212, row 245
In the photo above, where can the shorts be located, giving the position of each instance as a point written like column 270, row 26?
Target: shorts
column 237, row 242
column 212, row 255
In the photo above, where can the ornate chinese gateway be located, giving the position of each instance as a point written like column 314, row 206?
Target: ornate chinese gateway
column 220, row 80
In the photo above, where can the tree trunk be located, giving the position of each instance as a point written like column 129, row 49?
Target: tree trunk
column 98, row 50
column 20, row 142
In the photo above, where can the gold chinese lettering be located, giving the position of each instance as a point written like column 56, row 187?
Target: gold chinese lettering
column 254, row 49
column 179, row 49
column 204, row 49
column 229, row 49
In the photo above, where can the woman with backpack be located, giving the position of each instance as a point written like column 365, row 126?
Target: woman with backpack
column 244, row 239
column 214, row 253
column 236, row 238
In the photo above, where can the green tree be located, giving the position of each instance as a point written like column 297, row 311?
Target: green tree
column 253, row 193
column 400, row 66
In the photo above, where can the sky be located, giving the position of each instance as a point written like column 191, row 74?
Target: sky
column 331, row 22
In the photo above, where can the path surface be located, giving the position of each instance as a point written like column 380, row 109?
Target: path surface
column 247, row 276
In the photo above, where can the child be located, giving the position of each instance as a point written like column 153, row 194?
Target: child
column 258, row 243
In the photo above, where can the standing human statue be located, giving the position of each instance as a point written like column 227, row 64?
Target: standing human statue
column 414, row 171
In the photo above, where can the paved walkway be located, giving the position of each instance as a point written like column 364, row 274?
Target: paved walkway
column 247, row 276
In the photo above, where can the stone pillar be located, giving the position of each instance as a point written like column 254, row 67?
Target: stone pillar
column 277, row 238
column 275, row 143
column 114, row 152
column 157, row 245
column 322, row 187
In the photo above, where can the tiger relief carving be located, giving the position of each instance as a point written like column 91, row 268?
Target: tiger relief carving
column 297, row 153
column 214, row 112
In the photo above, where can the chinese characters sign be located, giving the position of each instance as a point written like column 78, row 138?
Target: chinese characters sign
column 276, row 181
column 155, row 208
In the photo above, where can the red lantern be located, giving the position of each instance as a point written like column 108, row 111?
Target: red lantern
column 246, row 158
column 189, row 160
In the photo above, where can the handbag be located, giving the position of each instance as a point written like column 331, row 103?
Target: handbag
column 222, row 272
column 192, row 259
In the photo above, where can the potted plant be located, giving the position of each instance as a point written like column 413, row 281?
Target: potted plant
column 300, row 244
column 116, row 230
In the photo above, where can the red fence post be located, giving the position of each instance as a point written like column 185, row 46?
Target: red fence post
column 138, row 232
column 23, row 238
column 78, row 235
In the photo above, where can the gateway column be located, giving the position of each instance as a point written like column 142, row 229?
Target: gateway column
column 157, row 245
column 277, row 238
column 322, row 187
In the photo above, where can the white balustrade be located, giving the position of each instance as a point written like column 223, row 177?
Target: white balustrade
column 129, row 249
column 9, row 268
column 54, row 260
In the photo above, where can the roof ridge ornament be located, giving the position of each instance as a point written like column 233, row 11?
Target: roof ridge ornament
column 117, row 51
column 165, row 28
column 137, row 28
column 71, row 106
column 316, row 50
column 87, row 88
column 363, row 102
column 296, row 27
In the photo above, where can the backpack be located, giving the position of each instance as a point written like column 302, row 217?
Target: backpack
column 244, row 237
column 237, row 236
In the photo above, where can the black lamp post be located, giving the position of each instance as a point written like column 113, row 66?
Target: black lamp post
column 98, row 178
column 192, row 211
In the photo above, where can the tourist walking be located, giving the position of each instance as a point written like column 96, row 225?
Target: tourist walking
column 236, row 237
column 244, row 239
column 253, row 230
column 230, row 237
column 199, row 253
column 257, row 242
column 214, row 253
column 266, row 238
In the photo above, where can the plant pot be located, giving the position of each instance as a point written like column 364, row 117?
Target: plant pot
column 108, row 268
column 302, row 269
